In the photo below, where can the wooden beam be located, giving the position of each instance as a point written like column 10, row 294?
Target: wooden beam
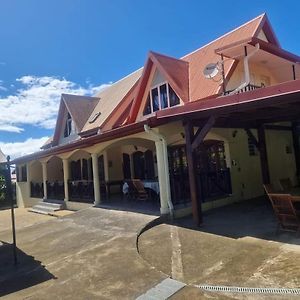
column 263, row 155
column 252, row 137
column 195, row 199
column 202, row 132
column 278, row 127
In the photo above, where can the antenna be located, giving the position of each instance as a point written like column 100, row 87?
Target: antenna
column 211, row 70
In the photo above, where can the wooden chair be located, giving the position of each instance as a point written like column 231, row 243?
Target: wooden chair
column 288, row 218
column 141, row 192
column 269, row 189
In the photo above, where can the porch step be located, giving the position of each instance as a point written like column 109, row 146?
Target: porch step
column 47, row 207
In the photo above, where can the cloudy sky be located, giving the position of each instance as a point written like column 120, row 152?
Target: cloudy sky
column 72, row 46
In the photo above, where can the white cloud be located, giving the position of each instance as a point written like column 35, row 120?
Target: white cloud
column 17, row 149
column 36, row 102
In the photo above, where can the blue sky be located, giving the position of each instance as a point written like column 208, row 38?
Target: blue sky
column 77, row 46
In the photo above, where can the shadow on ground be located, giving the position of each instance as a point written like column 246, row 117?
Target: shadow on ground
column 148, row 207
column 28, row 271
column 253, row 218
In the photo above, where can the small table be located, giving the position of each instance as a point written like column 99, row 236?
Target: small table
column 152, row 185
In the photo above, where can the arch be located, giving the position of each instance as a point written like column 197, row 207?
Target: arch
column 139, row 142
column 55, row 169
column 75, row 152
column 36, row 171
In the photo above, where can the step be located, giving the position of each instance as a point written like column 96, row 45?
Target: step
column 50, row 207
column 43, row 211
column 54, row 205
column 55, row 201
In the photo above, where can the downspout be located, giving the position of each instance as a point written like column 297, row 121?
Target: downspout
column 161, row 138
column 246, row 69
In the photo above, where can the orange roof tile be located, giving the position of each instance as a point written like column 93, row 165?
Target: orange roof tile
column 201, row 87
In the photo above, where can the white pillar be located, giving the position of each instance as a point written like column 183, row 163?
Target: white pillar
column 66, row 178
column 97, row 194
column 44, row 168
column 162, row 178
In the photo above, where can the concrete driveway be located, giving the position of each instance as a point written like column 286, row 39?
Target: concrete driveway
column 236, row 246
column 90, row 254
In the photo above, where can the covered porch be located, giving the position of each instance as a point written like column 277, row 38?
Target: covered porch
column 266, row 120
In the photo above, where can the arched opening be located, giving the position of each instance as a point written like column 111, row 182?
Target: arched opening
column 55, row 179
column 213, row 174
column 36, row 180
column 130, row 168
column 80, row 183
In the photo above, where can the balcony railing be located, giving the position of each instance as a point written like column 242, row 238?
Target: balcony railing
column 248, row 88
column 36, row 190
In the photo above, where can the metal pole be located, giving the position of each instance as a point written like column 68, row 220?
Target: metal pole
column 10, row 197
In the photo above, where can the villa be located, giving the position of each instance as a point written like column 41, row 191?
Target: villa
column 200, row 131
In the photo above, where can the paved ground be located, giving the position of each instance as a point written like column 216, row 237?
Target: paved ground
column 23, row 219
column 90, row 254
column 240, row 254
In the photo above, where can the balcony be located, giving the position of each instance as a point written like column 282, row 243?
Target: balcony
column 248, row 88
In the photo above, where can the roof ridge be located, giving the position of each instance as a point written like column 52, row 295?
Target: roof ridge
column 167, row 56
column 226, row 34
column 75, row 95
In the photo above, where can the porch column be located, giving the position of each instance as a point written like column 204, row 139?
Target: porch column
column 195, row 195
column 263, row 154
column 44, row 168
column 66, row 178
column 164, row 185
column 97, row 194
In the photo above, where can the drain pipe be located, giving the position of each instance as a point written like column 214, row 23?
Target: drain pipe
column 246, row 70
column 161, row 138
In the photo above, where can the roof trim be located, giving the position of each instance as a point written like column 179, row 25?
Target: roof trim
column 157, row 60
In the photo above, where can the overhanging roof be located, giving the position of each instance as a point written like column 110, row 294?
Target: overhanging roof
column 283, row 99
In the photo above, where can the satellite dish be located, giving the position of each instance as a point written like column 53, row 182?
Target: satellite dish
column 211, row 70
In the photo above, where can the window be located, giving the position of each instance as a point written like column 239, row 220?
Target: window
column 21, row 173
column 68, row 127
column 95, row 116
column 160, row 97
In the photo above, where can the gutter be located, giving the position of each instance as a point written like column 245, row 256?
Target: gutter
column 161, row 138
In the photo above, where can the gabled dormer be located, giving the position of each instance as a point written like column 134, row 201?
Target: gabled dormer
column 163, row 84
column 74, row 112
column 160, row 95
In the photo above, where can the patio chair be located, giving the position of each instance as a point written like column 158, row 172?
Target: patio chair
column 141, row 192
column 269, row 188
column 288, row 218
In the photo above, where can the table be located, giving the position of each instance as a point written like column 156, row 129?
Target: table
column 152, row 185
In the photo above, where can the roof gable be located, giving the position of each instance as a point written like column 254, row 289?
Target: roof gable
column 201, row 88
column 175, row 71
column 110, row 98
column 80, row 109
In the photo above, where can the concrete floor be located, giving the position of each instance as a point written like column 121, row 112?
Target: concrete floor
column 236, row 246
column 90, row 254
